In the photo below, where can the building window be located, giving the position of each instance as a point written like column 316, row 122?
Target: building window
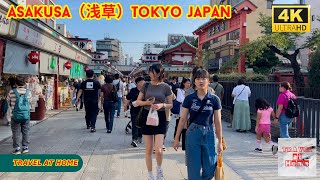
column 58, row 27
column 233, row 35
column 269, row 4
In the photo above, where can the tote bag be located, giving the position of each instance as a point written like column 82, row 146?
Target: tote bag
column 219, row 175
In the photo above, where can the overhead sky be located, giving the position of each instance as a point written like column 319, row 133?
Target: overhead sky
column 134, row 33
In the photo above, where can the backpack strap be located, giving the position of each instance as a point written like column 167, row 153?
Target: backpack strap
column 16, row 93
column 216, row 87
column 27, row 93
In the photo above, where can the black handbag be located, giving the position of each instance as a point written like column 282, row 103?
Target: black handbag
column 140, row 118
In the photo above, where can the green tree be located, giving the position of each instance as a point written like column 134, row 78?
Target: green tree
column 230, row 66
column 264, row 64
column 314, row 71
column 195, row 43
column 279, row 43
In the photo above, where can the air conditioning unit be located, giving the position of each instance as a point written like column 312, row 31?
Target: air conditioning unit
column 245, row 24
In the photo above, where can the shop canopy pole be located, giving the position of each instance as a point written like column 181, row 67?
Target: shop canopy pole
column 56, row 84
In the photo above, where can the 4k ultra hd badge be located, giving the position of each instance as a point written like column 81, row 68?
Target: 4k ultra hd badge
column 291, row 18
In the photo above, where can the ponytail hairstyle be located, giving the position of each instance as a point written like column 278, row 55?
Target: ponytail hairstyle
column 158, row 69
column 286, row 85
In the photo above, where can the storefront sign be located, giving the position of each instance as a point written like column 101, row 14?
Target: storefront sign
column 4, row 24
column 297, row 157
column 217, row 28
column 34, row 38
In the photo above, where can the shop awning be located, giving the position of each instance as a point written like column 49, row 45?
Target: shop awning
column 16, row 62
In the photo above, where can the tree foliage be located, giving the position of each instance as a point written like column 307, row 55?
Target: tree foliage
column 279, row 43
column 195, row 43
column 230, row 66
column 264, row 64
column 314, row 72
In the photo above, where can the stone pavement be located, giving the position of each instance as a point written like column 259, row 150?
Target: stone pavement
column 110, row 156
column 5, row 131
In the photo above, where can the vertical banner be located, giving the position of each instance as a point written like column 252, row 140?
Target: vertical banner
column 297, row 157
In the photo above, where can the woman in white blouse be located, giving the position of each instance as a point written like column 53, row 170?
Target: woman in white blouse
column 241, row 115
column 181, row 94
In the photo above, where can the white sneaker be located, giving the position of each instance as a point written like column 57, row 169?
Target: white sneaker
column 160, row 174
column 164, row 148
column 151, row 177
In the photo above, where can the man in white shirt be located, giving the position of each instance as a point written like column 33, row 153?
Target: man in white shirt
column 132, row 84
column 119, row 85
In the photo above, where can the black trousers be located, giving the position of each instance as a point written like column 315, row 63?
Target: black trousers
column 136, row 132
column 92, row 111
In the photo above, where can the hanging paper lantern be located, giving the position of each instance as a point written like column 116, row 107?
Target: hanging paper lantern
column 68, row 65
column 86, row 69
column 53, row 63
column 34, row 57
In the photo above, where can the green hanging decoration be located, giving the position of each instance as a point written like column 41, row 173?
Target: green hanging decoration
column 53, row 63
column 78, row 68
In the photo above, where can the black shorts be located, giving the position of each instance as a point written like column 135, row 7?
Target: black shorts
column 232, row 109
column 153, row 130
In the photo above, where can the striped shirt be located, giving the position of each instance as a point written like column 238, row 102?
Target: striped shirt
column 13, row 98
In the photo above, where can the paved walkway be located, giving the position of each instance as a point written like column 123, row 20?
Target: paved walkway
column 110, row 156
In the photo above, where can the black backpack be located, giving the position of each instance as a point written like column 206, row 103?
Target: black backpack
column 293, row 108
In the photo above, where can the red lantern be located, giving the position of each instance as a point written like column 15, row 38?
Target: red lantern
column 86, row 69
column 34, row 57
column 68, row 65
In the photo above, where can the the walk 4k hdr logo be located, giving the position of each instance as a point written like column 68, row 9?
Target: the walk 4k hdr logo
column 291, row 18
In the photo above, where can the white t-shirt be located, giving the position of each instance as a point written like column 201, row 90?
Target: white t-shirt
column 132, row 85
column 120, row 92
column 246, row 93
column 181, row 94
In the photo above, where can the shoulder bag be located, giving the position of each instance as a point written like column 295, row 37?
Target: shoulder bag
column 139, row 118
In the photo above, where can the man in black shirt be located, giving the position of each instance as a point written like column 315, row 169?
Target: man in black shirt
column 174, row 85
column 134, row 111
column 78, row 87
column 91, row 90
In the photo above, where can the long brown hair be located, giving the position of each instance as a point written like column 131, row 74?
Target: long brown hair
column 286, row 85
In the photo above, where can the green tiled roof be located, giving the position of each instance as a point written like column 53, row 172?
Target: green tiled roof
column 182, row 40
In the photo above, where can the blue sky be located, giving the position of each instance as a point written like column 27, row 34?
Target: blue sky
column 135, row 30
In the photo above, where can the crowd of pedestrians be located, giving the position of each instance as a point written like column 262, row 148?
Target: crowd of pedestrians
column 150, row 103
column 194, row 103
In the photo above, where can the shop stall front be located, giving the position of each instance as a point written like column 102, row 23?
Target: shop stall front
column 48, row 71
column 64, row 90
column 17, row 61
